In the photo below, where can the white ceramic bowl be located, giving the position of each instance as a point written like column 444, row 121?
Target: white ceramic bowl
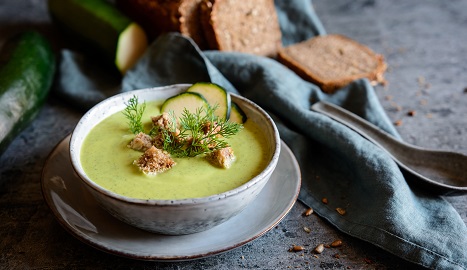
column 174, row 216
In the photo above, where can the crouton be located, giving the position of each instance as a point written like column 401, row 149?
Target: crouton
column 154, row 161
column 141, row 142
column 210, row 127
column 163, row 122
column 222, row 158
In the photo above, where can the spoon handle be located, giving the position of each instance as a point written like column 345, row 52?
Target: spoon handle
column 442, row 171
column 363, row 127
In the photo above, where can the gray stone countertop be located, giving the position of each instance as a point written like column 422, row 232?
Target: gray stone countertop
column 425, row 46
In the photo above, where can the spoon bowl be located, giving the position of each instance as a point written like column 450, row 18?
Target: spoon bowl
column 440, row 171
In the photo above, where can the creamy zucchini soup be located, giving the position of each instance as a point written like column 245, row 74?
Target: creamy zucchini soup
column 108, row 161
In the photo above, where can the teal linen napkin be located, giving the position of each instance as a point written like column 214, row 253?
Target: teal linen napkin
column 336, row 163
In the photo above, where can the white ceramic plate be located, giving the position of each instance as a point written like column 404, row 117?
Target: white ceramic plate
column 77, row 211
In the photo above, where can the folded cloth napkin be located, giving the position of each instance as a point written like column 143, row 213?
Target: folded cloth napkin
column 381, row 207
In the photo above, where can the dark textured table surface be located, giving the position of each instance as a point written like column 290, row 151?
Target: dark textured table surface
column 425, row 45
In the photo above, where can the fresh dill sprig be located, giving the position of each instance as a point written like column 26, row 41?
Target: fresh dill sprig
column 199, row 133
column 133, row 112
column 191, row 135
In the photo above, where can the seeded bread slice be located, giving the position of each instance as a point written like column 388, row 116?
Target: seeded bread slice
column 161, row 16
column 333, row 61
column 243, row 26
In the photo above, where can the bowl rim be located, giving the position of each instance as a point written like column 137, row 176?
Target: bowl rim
column 75, row 159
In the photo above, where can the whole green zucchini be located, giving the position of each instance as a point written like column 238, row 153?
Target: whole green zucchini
column 27, row 67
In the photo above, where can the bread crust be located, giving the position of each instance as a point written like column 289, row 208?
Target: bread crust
column 242, row 26
column 161, row 16
column 333, row 61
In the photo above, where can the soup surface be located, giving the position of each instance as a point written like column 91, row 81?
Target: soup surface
column 107, row 160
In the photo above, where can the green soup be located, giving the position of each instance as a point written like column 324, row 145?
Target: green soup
column 107, row 160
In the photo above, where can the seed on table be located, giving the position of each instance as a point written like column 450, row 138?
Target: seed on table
column 308, row 212
column 306, row 229
column 319, row 249
column 325, row 200
column 341, row 211
column 396, row 106
column 336, row 243
column 421, row 80
column 296, row 248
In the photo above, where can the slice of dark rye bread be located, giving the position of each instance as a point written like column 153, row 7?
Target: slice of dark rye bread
column 332, row 61
column 242, row 26
column 161, row 16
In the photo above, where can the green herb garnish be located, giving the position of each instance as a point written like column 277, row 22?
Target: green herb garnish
column 134, row 113
column 194, row 134
column 200, row 133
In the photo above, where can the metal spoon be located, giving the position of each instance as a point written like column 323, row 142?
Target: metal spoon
column 440, row 171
